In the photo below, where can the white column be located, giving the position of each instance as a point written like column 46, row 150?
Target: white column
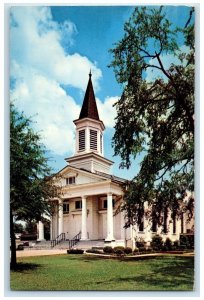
column 41, row 231
column 60, row 217
column 110, row 218
column 83, row 220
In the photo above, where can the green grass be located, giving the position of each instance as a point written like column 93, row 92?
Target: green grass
column 81, row 272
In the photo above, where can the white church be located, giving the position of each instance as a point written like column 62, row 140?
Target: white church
column 91, row 194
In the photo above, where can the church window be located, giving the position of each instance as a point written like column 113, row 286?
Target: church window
column 93, row 139
column 154, row 220
column 65, row 207
column 82, row 140
column 70, row 180
column 78, row 205
column 174, row 223
column 182, row 225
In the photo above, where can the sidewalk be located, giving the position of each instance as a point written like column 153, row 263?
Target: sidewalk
column 27, row 253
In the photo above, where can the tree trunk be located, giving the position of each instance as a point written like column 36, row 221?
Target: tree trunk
column 13, row 242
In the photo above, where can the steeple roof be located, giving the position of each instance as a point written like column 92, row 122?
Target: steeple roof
column 89, row 107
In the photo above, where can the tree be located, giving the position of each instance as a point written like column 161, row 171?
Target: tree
column 31, row 187
column 155, row 116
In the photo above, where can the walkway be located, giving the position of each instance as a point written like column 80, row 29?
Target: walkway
column 26, row 253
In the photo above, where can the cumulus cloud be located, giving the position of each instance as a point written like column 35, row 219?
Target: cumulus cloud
column 107, row 111
column 39, row 67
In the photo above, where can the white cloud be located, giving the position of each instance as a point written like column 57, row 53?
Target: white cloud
column 107, row 112
column 167, row 60
column 39, row 66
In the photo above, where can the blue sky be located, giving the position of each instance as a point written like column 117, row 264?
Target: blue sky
column 51, row 52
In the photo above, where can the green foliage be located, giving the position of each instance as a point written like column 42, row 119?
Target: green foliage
column 94, row 251
column 168, row 244
column 31, row 186
column 187, row 241
column 20, row 247
column 119, row 252
column 108, row 249
column 127, row 250
column 75, row 251
column 155, row 116
column 157, row 242
column 140, row 242
column 118, row 248
column 142, row 249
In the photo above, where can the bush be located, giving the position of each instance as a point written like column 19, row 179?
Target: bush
column 140, row 243
column 20, row 247
column 168, row 244
column 149, row 250
column 142, row 249
column 187, row 240
column 119, row 251
column 136, row 251
column 108, row 249
column 118, row 248
column 182, row 247
column 176, row 244
column 75, row 251
column 128, row 250
column 157, row 242
column 28, row 237
column 93, row 251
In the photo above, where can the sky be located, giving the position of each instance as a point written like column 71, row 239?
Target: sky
column 52, row 50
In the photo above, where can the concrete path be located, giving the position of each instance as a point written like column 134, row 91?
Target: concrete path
column 26, row 253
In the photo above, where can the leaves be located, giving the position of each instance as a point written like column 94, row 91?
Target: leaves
column 155, row 118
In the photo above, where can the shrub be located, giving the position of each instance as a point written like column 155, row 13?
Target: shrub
column 140, row 243
column 176, row 244
column 75, row 251
column 136, row 251
column 168, row 244
column 128, row 250
column 157, row 242
column 118, row 248
column 187, row 240
column 149, row 250
column 93, row 251
column 108, row 249
column 119, row 251
column 182, row 247
column 142, row 249
column 20, row 247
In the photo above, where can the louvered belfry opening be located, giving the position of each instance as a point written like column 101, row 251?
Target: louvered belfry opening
column 93, row 139
column 82, row 144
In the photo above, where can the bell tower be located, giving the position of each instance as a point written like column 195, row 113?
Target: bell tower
column 89, row 153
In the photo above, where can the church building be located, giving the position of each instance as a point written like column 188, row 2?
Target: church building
column 91, row 194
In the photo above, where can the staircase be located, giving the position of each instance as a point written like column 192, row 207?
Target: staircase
column 81, row 244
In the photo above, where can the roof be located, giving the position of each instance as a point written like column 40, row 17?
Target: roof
column 113, row 178
column 89, row 107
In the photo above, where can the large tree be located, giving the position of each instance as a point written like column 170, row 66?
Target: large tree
column 155, row 115
column 31, row 186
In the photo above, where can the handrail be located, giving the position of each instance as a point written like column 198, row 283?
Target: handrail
column 59, row 238
column 75, row 240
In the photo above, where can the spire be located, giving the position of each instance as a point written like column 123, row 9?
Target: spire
column 89, row 107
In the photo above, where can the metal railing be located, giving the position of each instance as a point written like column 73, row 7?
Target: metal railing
column 59, row 238
column 75, row 240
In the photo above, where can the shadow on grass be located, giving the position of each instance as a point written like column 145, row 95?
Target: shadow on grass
column 165, row 273
column 24, row 267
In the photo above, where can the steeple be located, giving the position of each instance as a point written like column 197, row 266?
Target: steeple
column 89, row 107
column 89, row 152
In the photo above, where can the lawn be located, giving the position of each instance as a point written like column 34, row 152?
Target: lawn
column 83, row 272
